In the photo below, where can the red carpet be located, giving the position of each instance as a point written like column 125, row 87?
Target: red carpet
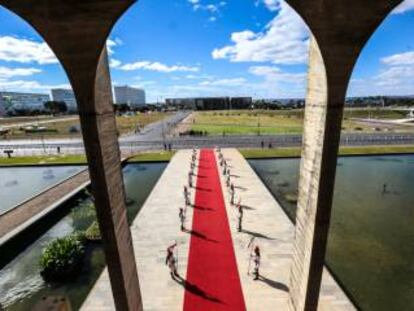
column 213, row 281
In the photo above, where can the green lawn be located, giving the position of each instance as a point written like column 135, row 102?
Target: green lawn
column 152, row 157
column 268, row 122
column 296, row 152
column 41, row 160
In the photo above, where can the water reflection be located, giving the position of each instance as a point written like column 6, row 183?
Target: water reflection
column 20, row 283
column 371, row 242
column 30, row 181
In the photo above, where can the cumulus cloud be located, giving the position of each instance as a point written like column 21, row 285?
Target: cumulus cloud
column 406, row 58
column 29, row 86
column 7, row 73
column 272, row 5
column 114, row 63
column 225, row 82
column 406, row 6
column 285, row 40
column 275, row 75
column 14, row 49
column 156, row 66
column 395, row 77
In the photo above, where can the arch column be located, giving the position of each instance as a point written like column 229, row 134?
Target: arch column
column 340, row 30
column 76, row 30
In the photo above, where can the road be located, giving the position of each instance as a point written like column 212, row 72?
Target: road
column 134, row 145
column 154, row 135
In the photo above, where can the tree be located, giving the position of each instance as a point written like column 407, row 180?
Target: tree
column 56, row 107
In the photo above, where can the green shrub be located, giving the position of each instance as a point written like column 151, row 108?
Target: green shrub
column 93, row 233
column 62, row 259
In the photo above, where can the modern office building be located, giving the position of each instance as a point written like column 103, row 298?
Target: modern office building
column 210, row 103
column 23, row 102
column 128, row 95
column 67, row 96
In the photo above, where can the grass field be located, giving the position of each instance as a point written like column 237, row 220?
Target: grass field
column 265, row 122
column 80, row 159
column 61, row 129
column 296, row 152
column 42, row 160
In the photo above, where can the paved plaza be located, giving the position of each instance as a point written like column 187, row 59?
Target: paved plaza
column 264, row 224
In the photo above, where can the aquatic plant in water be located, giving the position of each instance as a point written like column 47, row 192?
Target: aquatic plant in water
column 62, row 259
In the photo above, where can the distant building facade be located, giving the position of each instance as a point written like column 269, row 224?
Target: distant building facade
column 2, row 107
column 210, row 103
column 131, row 96
column 67, row 96
column 23, row 102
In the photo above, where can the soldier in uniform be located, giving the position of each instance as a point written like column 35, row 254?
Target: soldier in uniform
column 256, row 259
column 171, row 261
column 181, row 215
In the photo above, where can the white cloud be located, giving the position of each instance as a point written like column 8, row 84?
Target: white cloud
column 156, row 66
column 29, row 86
column 114, row 63
column 225, row 82
column 112, row 43
column 13, row 49
column 407, row 5
column 272, row 5
column 396, row 77
column 6, row 72
column 285, row 40
column 211, row 8
column 406, row 58
column 274, row 74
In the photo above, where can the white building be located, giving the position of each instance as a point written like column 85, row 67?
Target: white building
column 67, row 96
column 129, row 95
column 13, row 101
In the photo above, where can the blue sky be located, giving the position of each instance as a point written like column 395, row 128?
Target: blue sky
column 180, row 48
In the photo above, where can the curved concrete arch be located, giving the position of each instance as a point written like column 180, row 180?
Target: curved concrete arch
column 341, row 29
column 76, row 30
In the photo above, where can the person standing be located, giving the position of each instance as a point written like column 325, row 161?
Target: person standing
column 181, row 215
column 171, row 261
column 256, row 260
column 186, row 196
column 240, row 217
column 190, row 180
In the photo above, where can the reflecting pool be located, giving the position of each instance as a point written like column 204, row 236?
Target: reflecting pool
column 20, row 282
column 371, row 241
column 20, row 183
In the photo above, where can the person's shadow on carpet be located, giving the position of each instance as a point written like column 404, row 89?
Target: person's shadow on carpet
column 194, row 289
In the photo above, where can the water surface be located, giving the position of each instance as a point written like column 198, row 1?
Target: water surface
column 371, row 241
column 21, row 285
column 20, row 183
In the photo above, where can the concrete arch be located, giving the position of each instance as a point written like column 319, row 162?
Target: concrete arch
column 77, row 30
column 341, row 29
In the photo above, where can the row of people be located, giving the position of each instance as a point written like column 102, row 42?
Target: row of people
column 253, row 247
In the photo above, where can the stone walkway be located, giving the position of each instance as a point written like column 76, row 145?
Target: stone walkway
column 157, row 226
